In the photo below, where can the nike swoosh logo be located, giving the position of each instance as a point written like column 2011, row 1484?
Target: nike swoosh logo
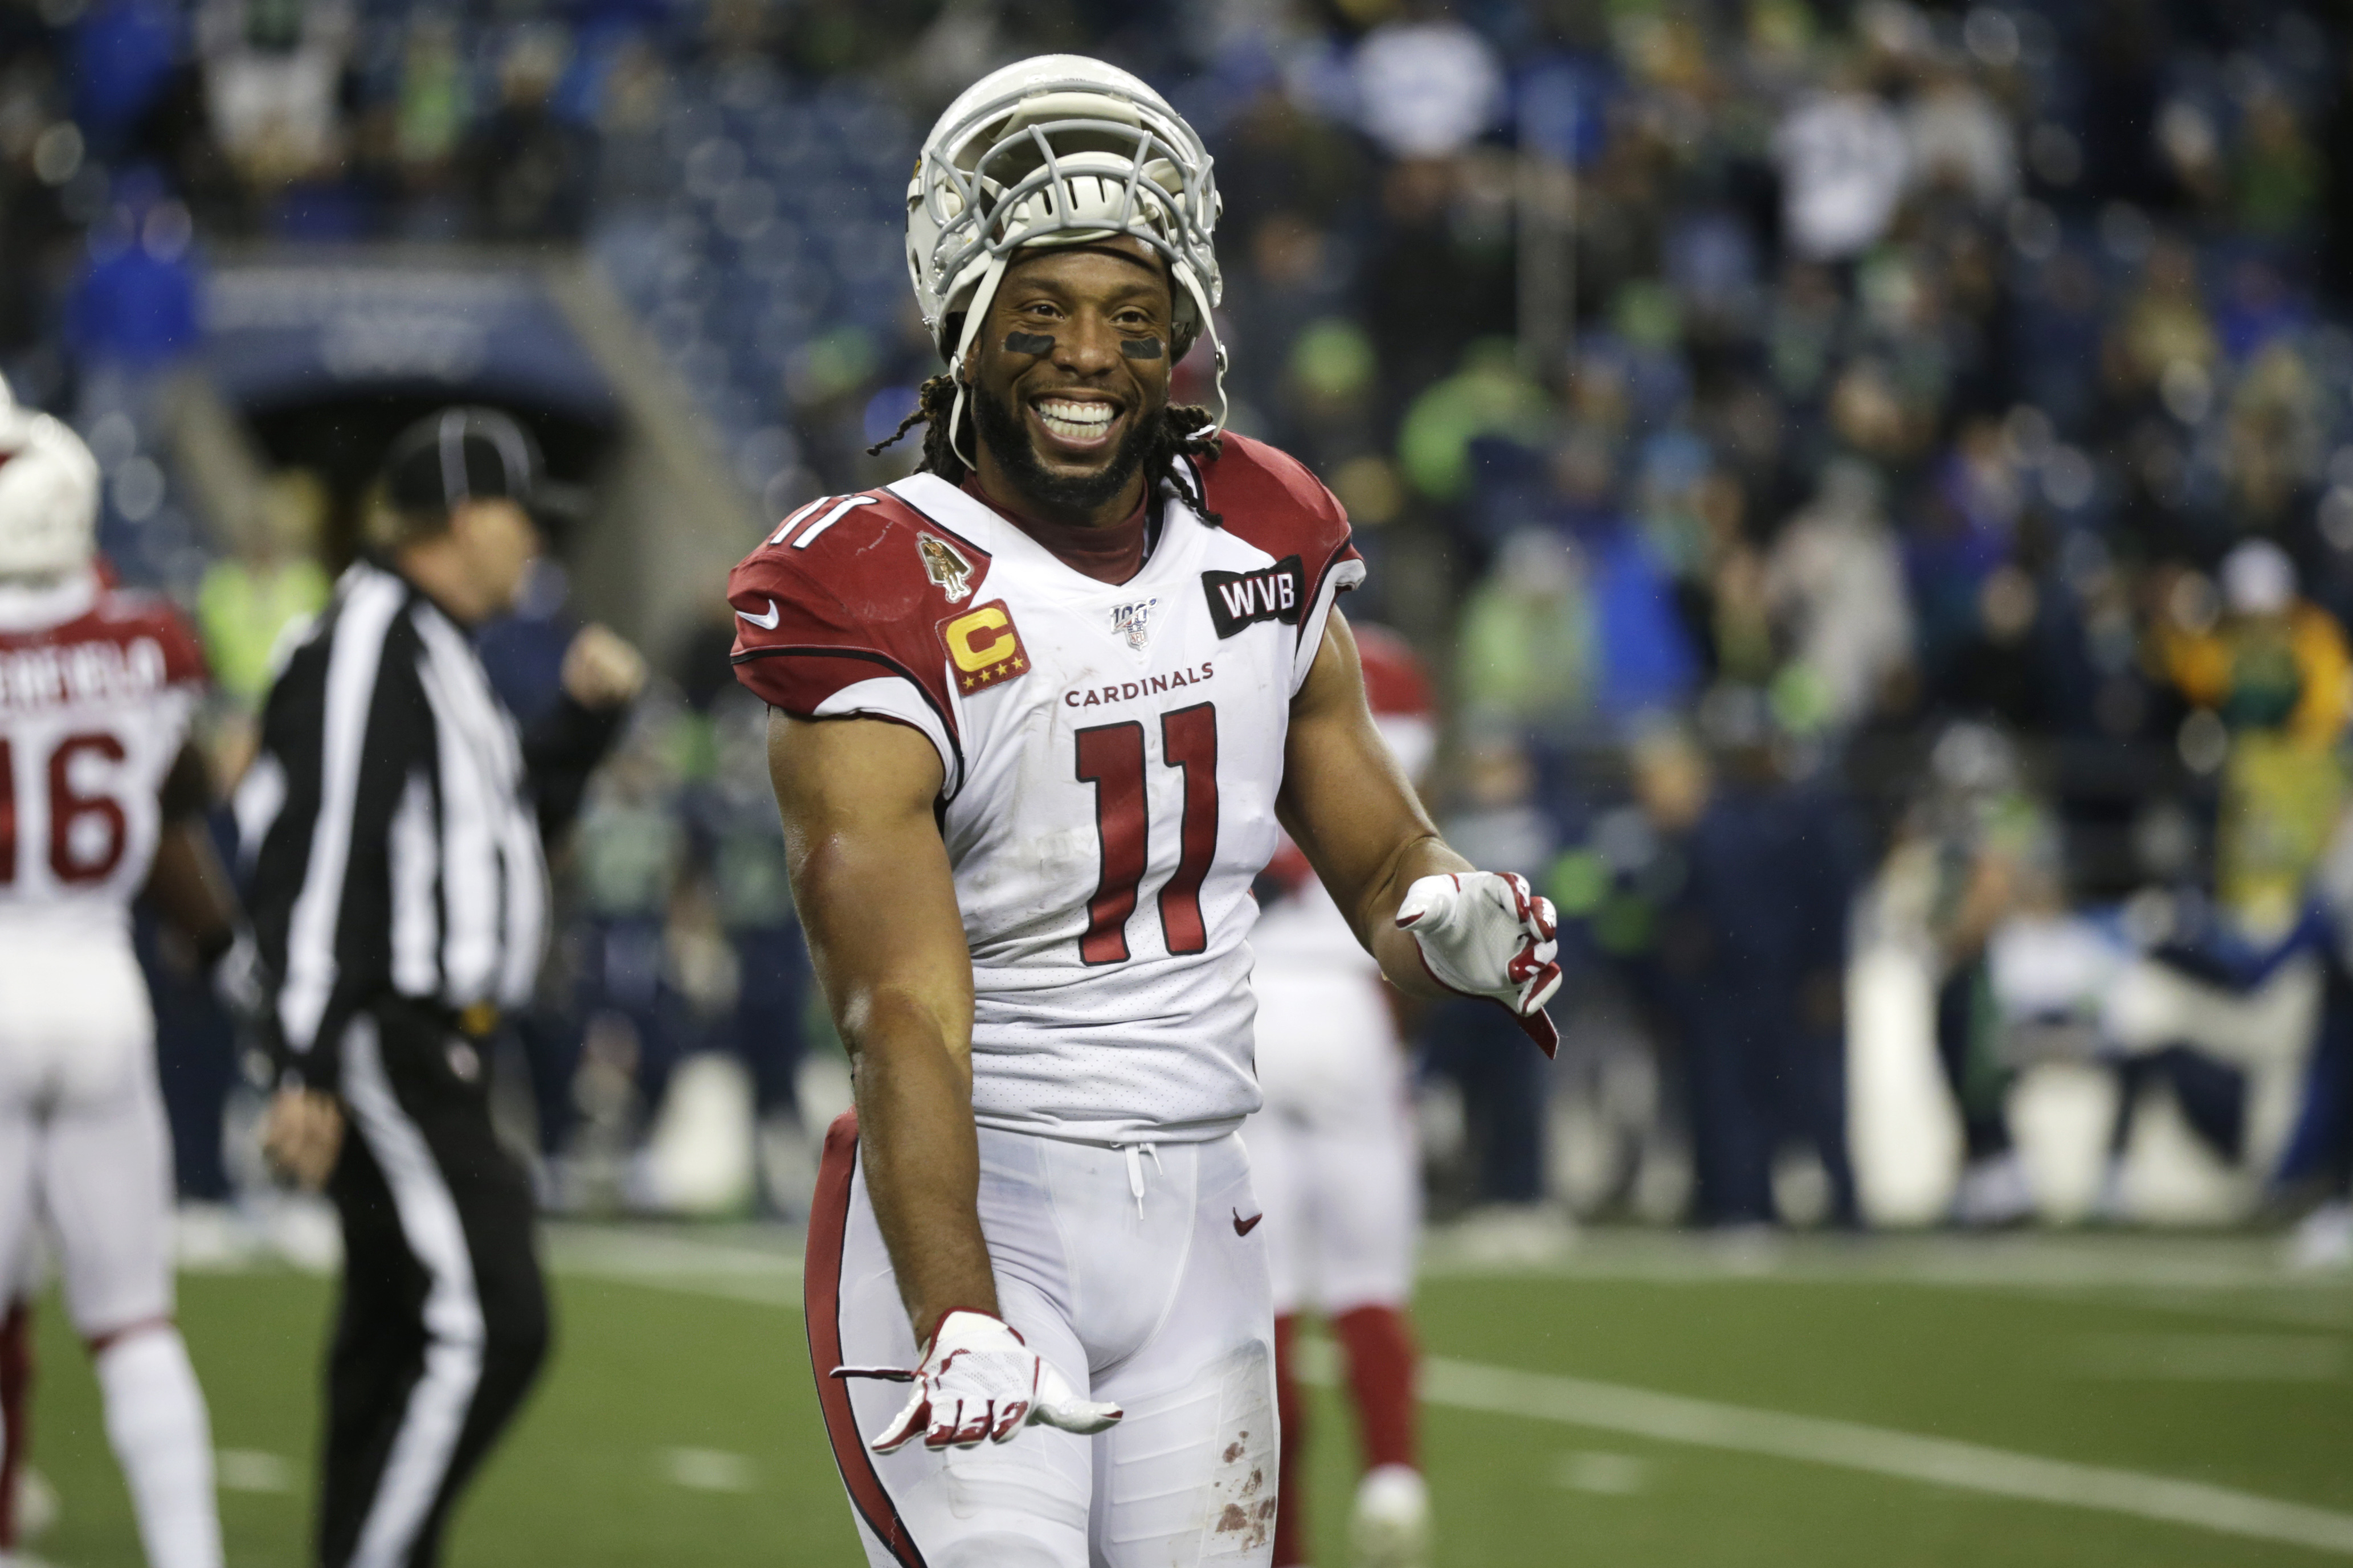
column 767, row 623
column 1244, row 1227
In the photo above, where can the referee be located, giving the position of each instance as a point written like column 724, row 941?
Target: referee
column 399, row 904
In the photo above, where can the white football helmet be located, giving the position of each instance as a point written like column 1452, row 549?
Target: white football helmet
column 48, row 494
column 1059, row 150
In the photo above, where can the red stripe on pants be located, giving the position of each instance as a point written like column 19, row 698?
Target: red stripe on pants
column 821, row 1301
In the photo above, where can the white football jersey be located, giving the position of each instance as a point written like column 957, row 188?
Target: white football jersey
column 97, row 686
column 1112, row 757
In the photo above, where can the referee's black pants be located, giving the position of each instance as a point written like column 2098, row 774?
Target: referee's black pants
column 443, row 1322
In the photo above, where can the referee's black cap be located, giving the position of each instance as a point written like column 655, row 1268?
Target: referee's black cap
column 466, row 454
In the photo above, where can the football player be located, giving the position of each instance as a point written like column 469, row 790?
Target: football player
column 1043, row 711
column 100, row 797
column 1333, row 1156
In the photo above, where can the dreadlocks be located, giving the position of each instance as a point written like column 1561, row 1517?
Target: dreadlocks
column 1183, row 430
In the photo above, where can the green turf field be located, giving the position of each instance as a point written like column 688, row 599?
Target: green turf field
column 1636, row 1400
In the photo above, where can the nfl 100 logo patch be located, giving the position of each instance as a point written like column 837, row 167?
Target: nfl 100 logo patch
column 1133, row 622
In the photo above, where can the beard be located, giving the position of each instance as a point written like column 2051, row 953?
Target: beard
column 1049, row 492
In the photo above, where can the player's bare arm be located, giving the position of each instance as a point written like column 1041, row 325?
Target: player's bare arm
column 187, row 885
column 877, row 899
column 302, row 1132
column 1437, row 924
column 1351, row 809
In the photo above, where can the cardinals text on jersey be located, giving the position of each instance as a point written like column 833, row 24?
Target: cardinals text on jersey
column 1111, row 755
column 96, row 689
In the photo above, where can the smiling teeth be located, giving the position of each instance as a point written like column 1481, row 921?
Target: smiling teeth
column 1076, row 420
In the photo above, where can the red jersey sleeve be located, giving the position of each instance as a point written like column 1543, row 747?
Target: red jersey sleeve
column 1266, row 497
column 837, row 614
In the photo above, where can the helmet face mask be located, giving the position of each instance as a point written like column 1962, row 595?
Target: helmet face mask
column 49, row 497
column 1059, row 151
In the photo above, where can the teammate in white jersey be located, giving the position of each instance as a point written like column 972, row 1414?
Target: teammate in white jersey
column 1042, row 712
column 101, row 798
column 1334, row 1157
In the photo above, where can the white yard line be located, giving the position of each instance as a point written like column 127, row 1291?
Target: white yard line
column 632, row 1252
column 764, row 1277
column 2184, row 1267
column 2021, row 1261
column 2232, row 1278
column 2202, row 1278
column 1905, row 1456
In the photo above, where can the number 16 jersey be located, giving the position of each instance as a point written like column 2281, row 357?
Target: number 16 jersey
column 97, row 688
column 1111, row 756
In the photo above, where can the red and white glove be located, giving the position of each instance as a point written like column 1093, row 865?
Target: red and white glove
column 1482, row 933
column 979, row 1379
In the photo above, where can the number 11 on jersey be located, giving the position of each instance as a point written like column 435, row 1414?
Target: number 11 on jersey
column 1111, row 758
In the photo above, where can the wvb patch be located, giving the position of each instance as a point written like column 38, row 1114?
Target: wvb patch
column 1133, row 622
column 1238, row 599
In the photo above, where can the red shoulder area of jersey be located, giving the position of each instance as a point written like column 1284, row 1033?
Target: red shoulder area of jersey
column 1267, row 498
column 846, row 589
column 147, row 628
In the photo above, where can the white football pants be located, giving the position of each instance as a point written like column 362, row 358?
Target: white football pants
column 1141, row 1275
column 84, row 1140
column 1334, row 1151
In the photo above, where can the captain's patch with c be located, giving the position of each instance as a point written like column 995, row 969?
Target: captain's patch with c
column 985, row 646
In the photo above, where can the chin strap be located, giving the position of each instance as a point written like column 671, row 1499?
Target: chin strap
column 982, row 293
column 1187, row 280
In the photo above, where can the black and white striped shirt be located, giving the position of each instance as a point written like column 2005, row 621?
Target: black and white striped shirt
column 393, row 820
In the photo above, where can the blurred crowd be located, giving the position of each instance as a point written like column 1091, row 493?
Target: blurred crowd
column 1822, row 446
